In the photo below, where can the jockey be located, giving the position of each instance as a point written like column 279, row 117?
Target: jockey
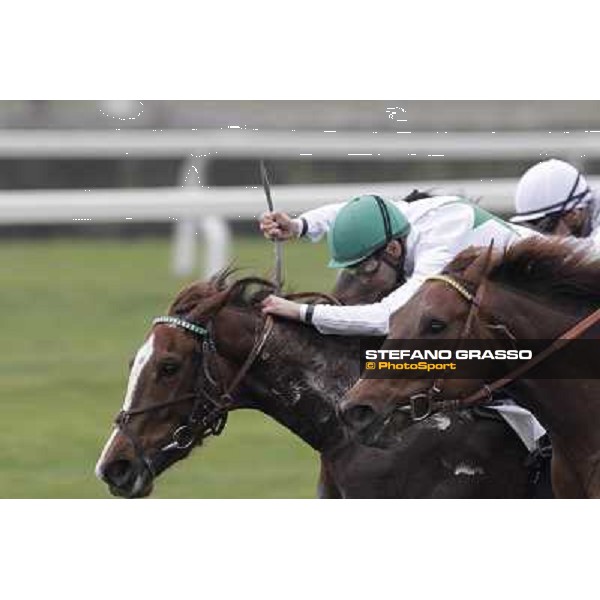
column 554, row 197
column 417, row 239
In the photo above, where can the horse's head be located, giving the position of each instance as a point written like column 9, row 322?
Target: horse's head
column 180, row 387
column 444, row 308
column 536, row 290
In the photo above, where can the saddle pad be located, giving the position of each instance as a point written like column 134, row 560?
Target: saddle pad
column 523, row 423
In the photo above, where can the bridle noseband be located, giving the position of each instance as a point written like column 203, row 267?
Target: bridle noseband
column 210, row 408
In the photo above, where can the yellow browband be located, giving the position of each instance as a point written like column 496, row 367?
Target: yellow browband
column 457, row 286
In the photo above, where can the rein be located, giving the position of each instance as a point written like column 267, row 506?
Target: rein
column 209, row 412
column 485, row 392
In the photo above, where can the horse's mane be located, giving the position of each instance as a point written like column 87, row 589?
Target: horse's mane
column 560, row 268
column 221, row 288
column 203, row 297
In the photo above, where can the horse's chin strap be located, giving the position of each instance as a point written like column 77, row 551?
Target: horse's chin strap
column 423, row 404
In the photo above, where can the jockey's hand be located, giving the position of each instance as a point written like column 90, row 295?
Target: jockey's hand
column 274, row 305
column 279, row 226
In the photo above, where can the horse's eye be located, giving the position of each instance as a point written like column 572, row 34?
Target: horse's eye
column 435, row 326
column 167, row 369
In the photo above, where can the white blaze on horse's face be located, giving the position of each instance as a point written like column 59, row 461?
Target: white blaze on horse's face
column 141, row 360
column 142, row 357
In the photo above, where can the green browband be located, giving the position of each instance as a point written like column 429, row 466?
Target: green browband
column 177, row 322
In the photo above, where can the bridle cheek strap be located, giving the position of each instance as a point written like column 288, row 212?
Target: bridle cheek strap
column 423, row 404
column 227, row 394
column 209, row 413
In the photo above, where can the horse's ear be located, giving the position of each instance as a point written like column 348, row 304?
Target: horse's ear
column 220, row 280
column 196, row 300
column 485, row 262
column 249, row 292
column 207, row 306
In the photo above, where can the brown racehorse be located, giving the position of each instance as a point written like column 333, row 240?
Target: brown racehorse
column 214, row 353
column 539, row 289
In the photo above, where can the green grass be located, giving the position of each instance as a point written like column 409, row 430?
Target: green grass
column 73, row 312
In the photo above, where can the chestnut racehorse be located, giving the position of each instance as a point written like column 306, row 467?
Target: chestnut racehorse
column 539, row 289
column 214, row 352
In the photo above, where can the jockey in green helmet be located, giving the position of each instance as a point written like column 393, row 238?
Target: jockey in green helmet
column 418, row 238
column 363, row 226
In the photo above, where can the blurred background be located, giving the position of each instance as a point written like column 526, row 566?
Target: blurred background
column 108, row 208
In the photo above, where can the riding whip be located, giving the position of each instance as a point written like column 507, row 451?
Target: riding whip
column 278, row 279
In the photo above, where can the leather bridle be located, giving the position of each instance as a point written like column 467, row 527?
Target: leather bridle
column 210, row 408
column 423, row 404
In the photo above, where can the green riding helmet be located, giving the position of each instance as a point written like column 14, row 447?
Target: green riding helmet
column 363, row 226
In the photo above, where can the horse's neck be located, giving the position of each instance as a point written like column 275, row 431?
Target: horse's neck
column 300, row 377
column 568, row 408
column 570, row 411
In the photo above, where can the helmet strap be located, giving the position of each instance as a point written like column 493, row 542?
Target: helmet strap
column 397, row 264
column 571, row 196
column 549, row 223
column 387, row 227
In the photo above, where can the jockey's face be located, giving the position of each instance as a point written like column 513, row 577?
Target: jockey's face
column 392, row 255
column 574, row 222
column 373, row 278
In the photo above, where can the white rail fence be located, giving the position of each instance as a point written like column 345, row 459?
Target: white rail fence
column 242, row 143
column 203, row 213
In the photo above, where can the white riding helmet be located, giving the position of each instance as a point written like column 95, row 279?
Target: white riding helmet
column 547, row 187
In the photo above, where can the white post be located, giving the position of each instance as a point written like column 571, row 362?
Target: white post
column 214, row 230
column 217, row 242
column 193, row 171
column 184, row 247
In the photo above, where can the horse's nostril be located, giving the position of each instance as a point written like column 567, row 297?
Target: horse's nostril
column 359, row 415
column 119, row 472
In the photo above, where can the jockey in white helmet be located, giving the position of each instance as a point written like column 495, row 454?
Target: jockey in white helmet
column 554, row 197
